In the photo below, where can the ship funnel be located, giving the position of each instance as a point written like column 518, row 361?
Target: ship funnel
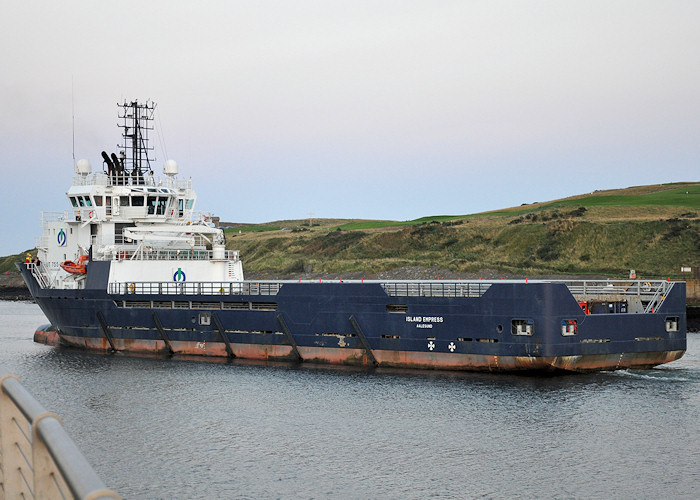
column 170, row 168
column 83, row 167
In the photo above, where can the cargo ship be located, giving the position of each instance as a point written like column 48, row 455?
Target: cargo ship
column 131, row 267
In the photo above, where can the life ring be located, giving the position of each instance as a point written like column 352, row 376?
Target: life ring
column 132, row 288
column 91, row 214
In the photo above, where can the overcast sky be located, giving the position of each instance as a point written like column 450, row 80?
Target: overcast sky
column 358, row 109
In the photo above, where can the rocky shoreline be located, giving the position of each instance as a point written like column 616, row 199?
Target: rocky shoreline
column 12, row 287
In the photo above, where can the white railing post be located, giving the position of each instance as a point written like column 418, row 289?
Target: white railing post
column 39, row 460
column 48, row 481
column 14, row 443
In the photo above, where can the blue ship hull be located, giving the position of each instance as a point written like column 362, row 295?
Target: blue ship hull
column 502, row 326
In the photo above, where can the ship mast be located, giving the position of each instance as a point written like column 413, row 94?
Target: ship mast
column 135, row 151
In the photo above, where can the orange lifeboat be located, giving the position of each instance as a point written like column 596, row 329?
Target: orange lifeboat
column 75, row 267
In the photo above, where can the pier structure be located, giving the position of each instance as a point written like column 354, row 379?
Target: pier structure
column 38, row 459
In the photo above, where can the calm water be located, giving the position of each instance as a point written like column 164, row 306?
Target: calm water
column 158, row 428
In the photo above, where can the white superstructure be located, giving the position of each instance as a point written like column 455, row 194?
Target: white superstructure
column 145, row 225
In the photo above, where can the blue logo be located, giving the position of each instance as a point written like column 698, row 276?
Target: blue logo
column 61, row 238
column 179, row 275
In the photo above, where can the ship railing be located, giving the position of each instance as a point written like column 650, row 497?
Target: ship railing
column 151, row 254
column 195, row 288
column 649, row 293
column 646, row 290
column 39, row 459
column 103, row 179
column 436, row 289
column 40, row 274
column 56, row 216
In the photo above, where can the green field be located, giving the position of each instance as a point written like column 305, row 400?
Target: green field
column 652, row 229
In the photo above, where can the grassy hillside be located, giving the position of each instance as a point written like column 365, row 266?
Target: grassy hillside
column 8, row 263
column 652, row 229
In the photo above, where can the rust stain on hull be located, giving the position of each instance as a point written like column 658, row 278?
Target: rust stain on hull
column 358, row 357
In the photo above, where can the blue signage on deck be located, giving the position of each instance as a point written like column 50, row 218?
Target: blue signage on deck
column 179, row 275
column 61, row 238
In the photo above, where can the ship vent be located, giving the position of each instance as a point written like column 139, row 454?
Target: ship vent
column 206, row 305
column 672, row 324
column 236, row 305
column 140, row 304
column 205, row 318
column 396, row 308
column 522, row 327
column 569, row 327
column 263, row 306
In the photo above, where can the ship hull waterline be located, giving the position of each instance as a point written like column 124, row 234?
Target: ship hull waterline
column 357, row 357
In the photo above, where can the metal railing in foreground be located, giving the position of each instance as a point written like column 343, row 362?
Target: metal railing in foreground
column 39, row 459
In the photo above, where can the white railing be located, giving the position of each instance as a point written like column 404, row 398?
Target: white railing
column 40, row 274
column 436, row 288
column 123, row 253
column 196, row 288
column 56, row 216
column 102, row 179
column 650, row 293
column 39, row 459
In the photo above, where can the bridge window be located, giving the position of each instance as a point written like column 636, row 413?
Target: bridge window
column 152, row 205
column 137, row 201
column 98, row 201
column 74, row 202
column 162, row 203
column 124, row 201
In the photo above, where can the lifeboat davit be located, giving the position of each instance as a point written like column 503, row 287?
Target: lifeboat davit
column 75, row 267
